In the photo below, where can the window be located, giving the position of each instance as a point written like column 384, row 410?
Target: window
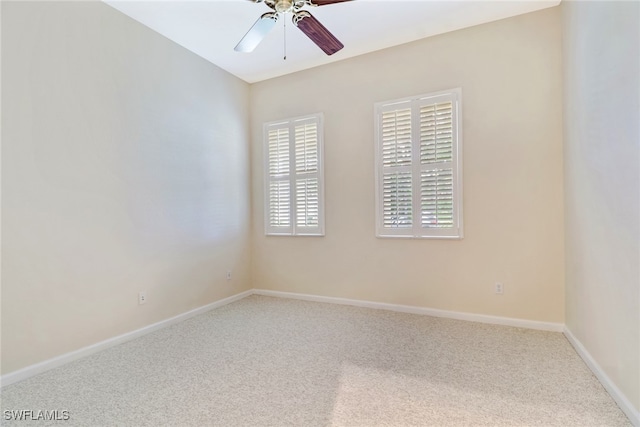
column 418, row 166
column 294, row 180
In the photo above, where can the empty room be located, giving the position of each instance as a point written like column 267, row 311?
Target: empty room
column 320, row 213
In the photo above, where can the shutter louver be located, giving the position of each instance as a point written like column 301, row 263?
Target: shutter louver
column 436, row 198
column 397, row 200
column 436, row 133
column 396, row 138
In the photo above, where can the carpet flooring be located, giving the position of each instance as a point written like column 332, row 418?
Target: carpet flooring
column 265, row 361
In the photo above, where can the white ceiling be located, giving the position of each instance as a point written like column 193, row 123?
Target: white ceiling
column 212, row 28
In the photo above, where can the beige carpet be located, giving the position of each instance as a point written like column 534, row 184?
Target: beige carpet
column 274, row 362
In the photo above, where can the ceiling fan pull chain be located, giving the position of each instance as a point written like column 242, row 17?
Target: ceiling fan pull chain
column 284, row 21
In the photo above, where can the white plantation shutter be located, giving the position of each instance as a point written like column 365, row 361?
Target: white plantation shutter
column 307, row 177
column 396, row 137
column 397, row 200
column 278, row 152
column 437, row 208
column 306, row 147
column 436, row 132
column 294, row 182
column 436, row 198
column 279, row 180
column 279, row 204
column 307, row 209
column 396, row 156
column 418, row 146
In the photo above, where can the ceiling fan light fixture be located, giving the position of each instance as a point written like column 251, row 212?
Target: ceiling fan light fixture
column 284, row 6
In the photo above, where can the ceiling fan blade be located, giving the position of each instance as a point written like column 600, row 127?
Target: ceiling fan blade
column 317, row 32
column 324, row 2
column 257, row 32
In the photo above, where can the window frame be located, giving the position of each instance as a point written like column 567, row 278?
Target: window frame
column 293, row 229
column 416, row 231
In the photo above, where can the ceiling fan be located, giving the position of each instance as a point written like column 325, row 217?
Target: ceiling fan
column 301, row 19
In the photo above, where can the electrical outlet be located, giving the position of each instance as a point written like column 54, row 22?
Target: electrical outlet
column 142, row 298
column 229, row 275
column 499, row 288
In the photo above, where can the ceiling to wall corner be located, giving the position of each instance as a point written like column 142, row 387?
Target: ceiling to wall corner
column 212, row 28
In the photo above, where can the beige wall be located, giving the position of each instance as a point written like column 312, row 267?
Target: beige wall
column 511, row 79
column 124, row 168
column 602, row 185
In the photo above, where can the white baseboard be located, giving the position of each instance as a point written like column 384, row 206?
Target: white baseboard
column 29, row 371
column 481, row 318
column 625, row 405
